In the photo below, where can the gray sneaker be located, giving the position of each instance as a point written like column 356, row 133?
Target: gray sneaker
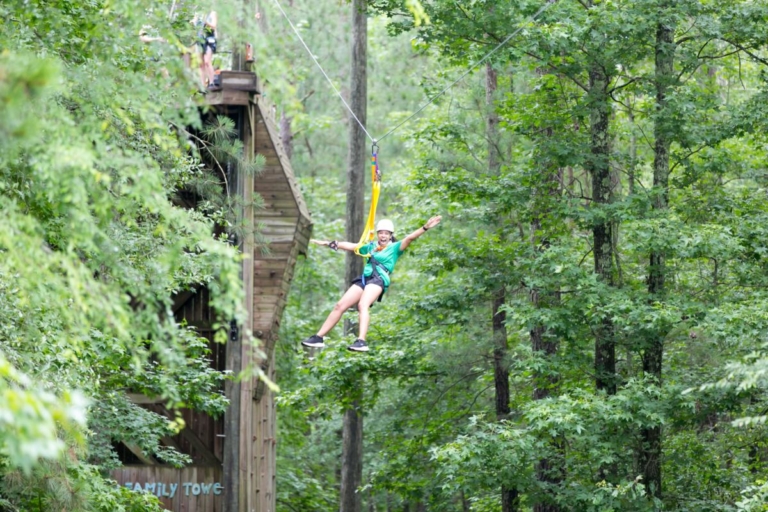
column 314, row 341
column 358, row 346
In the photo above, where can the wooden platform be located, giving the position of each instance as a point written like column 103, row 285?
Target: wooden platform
column 237, row 88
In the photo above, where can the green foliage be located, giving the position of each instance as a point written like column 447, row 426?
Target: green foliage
column 71, row 485
column 94, row 243
column 221, row 148
column 432, row 439
column 31, row 417
column 755, row 498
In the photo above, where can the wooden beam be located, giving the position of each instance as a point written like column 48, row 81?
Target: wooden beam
column 227, row 97
column 180, row 299
column 139, row 453
column 206, row 453
column 239, row 80
column 139, row 399
column 201, row 326
column 189, row 435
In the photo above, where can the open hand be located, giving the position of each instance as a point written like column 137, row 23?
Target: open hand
column 434, row 221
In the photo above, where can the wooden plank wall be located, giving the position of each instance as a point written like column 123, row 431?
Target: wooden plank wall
column 194, row 308
column 265, row 447
column 285, row 223
column 201, row 438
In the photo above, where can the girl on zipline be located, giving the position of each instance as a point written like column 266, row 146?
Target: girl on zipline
column 374, row 282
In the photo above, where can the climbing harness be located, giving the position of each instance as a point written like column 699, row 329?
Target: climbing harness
column 378, row 268
column 369, row 231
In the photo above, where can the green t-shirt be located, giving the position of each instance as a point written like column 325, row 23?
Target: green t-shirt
column 387, row 257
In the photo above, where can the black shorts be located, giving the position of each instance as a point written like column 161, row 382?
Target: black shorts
column 208, row 42
column 371, row 280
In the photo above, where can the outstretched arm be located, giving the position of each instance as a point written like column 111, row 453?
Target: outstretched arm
column 434, row 221
column 344, row 246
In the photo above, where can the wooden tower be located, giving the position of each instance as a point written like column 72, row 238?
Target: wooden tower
column 233, row 457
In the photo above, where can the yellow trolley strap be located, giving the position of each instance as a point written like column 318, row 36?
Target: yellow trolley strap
column 369, row 232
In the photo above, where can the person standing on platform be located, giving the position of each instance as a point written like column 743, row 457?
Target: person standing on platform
column 207, row 39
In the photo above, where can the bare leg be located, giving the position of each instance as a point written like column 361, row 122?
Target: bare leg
column 202, row 69
column 349, row 299
column 208, row 65
column 370, row 294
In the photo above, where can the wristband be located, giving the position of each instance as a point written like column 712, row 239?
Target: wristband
column 425, row 228
column 333, row 244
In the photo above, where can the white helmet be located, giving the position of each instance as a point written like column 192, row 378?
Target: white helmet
column 385, row 225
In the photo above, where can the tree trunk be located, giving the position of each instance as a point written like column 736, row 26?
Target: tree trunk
column 500, row 373
column 352, row 461
column 602, row 235
column 498, row 316
column 371, row 502
column 510, row 500
column 352, row 452
column 262, row 21
column 549, row 470
column 492, row 119
column 650, row 455
column 510, row 497
column 357, row 156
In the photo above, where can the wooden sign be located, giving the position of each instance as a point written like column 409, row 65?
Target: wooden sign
column 190, row 489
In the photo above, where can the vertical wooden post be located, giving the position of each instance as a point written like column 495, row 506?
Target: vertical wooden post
column 246, row 396
column 244, row 399
column 231, row 456
column 238, row 451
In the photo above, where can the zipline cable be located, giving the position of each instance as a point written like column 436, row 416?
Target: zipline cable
column 323, row 71
column 549, row 4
